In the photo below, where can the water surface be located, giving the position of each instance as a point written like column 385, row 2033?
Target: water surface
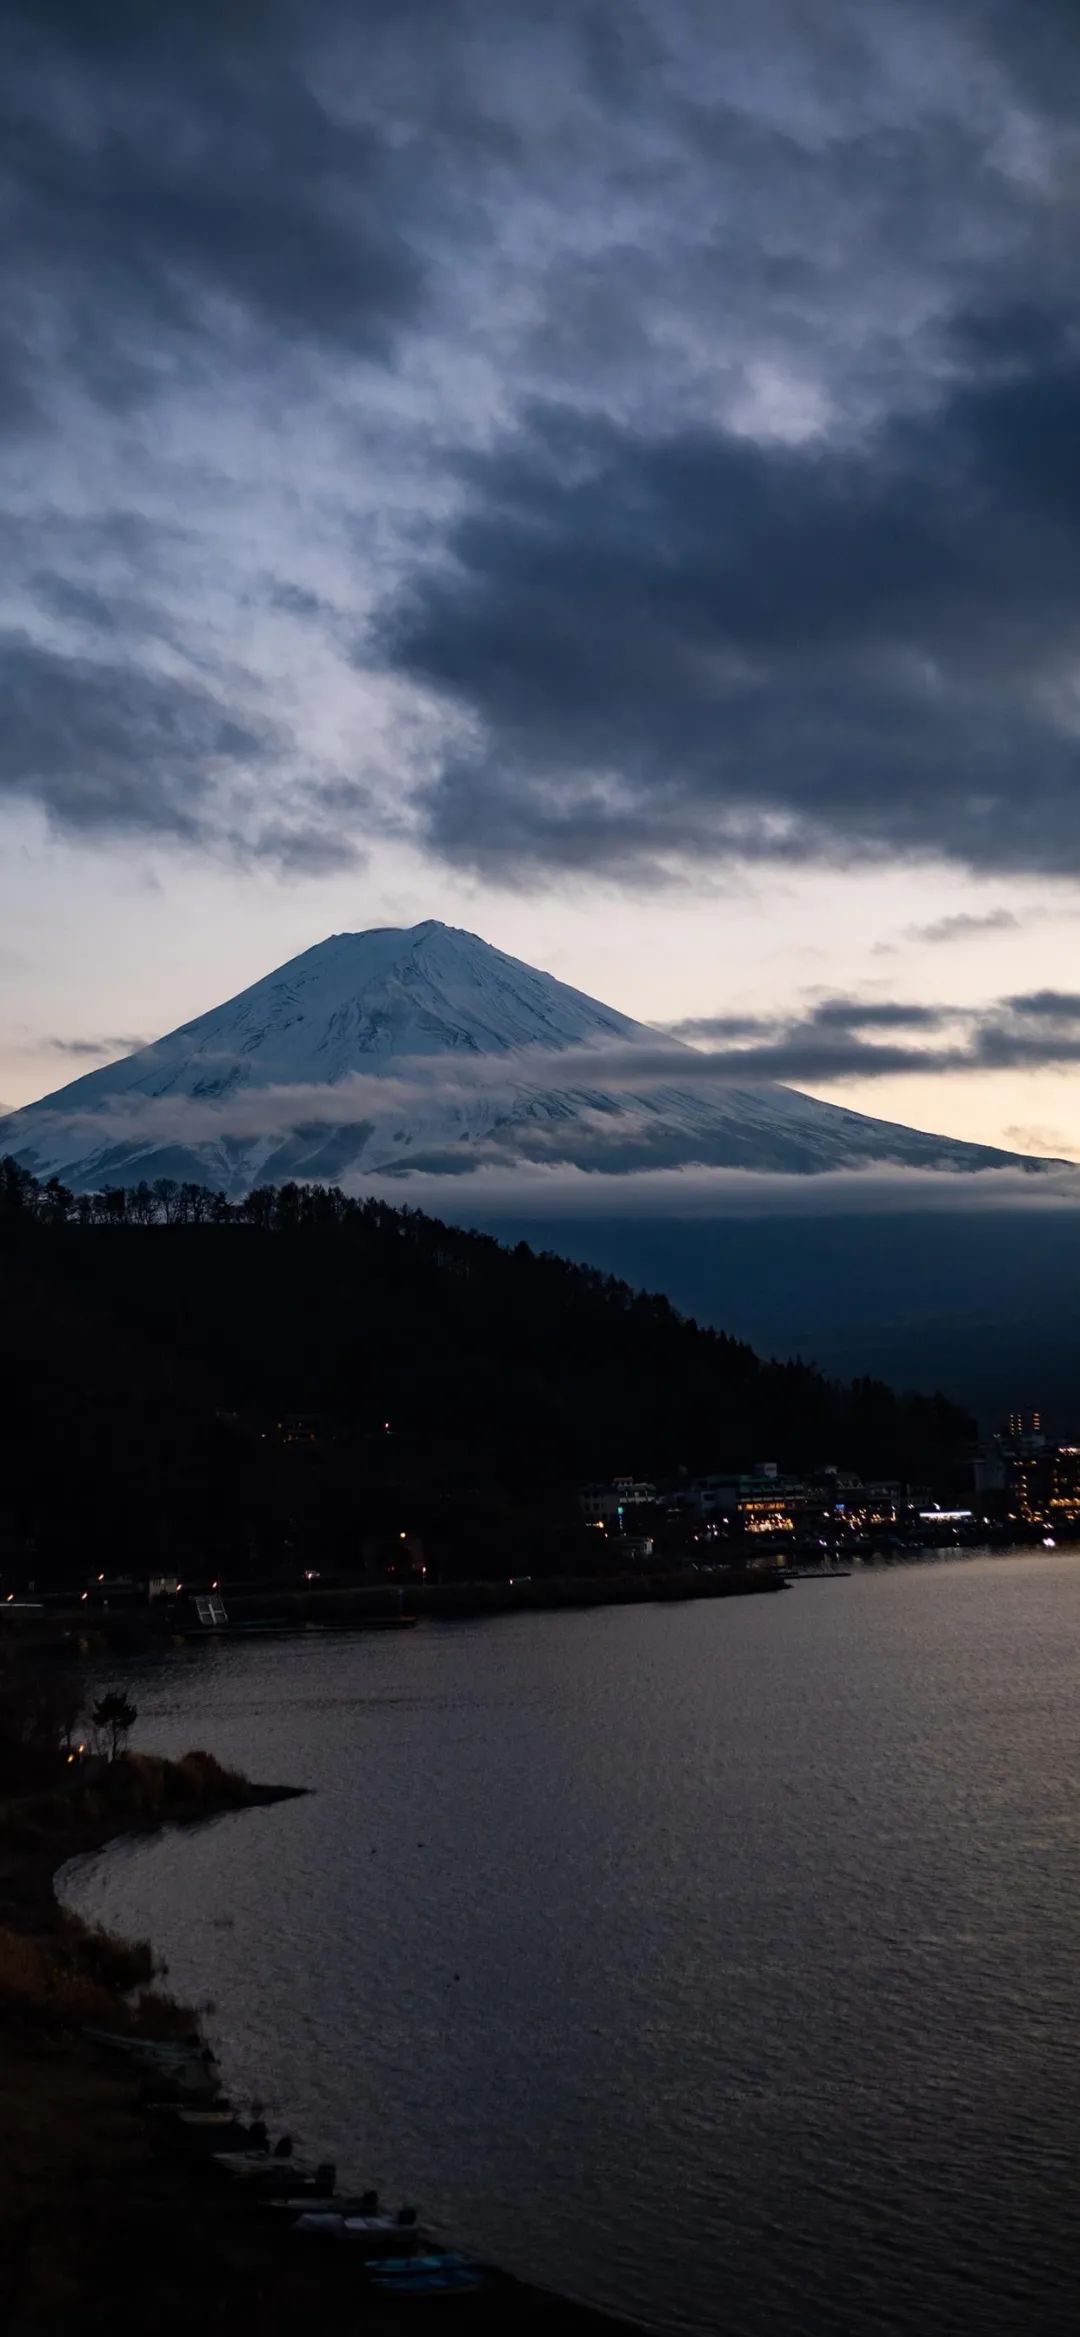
column 718, row 1963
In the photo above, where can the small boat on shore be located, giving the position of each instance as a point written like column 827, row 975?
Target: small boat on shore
column 159, row 2052
column 367, row 2234
column 434, row 2272
column 262, row 2175
column 213, row 2129
column 209, row 2118
column 197, row 2088
column 333, row 2203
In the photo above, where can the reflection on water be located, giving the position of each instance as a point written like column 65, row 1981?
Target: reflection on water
column 717, row 1963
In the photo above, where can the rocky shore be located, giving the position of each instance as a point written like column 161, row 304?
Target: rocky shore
column 103, row 2227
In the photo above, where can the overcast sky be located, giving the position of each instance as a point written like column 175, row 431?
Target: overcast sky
column 604, row 474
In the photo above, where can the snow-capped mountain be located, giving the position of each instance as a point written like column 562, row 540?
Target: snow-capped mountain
column 425, row 1048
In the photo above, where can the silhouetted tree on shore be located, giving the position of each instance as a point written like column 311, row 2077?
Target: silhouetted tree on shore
column 114, row 1716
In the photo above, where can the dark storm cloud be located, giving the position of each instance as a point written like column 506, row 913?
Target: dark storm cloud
column 1047, row 1005
column 696, row 395
column 308, row 849
column 83, row 603
column 114, row 746
column 874, row 1014
column 167, row 170
column 1030, row 1031
column 183, row 214
column 688, row 641
column 1037, row 44
column 719, row 1027
column 830, row 1014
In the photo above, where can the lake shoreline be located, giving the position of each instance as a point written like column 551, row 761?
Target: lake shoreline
column 90, row 2198
column 373, row 1606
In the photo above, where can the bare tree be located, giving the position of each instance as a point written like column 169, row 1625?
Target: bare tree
column 114, row 1717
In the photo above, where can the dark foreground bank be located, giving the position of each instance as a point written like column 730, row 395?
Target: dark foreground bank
column 103, row 2226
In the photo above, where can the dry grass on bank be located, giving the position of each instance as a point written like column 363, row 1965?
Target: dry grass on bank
column 55, row 1968
column 77, row 1973
column 139, row 1786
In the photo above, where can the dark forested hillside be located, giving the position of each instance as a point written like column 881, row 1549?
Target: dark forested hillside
column 305, row 1373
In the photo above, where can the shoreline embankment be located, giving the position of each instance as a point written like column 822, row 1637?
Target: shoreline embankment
column 132, row 1625
column 103, row 2227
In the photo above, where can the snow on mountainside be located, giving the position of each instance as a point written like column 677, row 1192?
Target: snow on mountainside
column 428, row 1049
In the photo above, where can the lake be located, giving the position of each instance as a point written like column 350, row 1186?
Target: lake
column 718, row 1963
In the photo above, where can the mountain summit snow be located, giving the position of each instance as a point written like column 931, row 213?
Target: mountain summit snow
column 426, row 1049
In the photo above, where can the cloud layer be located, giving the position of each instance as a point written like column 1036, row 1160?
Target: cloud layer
column 533, row 1190
column 608, row 438
column 836, row 1040
column 839, row 1038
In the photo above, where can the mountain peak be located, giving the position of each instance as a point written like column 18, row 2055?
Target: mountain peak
column 442, row 1048
column 404, row 933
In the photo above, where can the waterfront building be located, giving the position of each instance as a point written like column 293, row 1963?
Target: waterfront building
column 831, row 1505
column 834, row 1503
column 1044, row 1489
column 1028, row 1476
column 864, row 1506
column 1065, row 1484
column 759, row 1502
column 609, row 1504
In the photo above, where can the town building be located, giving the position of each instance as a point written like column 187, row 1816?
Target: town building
column 759, row 1501
column 609, row 1505
column 1026, row 1476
